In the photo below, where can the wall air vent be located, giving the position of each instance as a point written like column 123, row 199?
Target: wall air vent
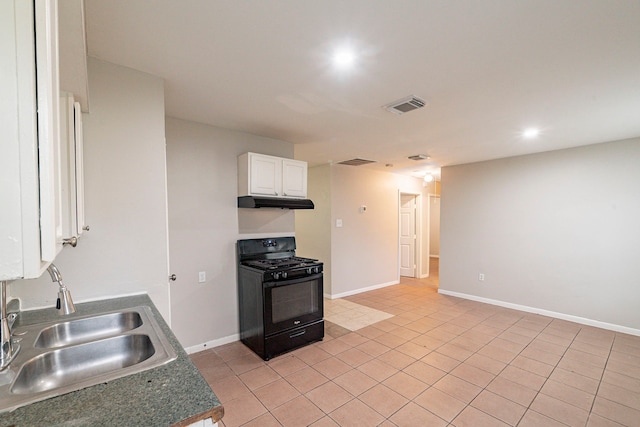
column 405, row 105
column 356, row 162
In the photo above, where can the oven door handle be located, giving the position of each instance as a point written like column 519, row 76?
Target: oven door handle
column 285, row 282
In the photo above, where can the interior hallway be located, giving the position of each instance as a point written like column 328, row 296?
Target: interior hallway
column 435, row 361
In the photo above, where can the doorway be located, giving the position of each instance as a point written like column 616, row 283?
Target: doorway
column 409, row 235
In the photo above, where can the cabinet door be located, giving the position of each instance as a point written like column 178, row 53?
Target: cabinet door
column 294, row 178
column 68, row 170
column 79, row 158
column 71, row 167
column 265, row 175
column 48, row 100
column 18, row 147
column 30, row 226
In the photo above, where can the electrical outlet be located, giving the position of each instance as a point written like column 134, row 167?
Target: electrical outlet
column 202, row 277
column 481, row 277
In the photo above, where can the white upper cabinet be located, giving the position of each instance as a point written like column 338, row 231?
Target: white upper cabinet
column 294, row 178
column 71, row 168
column 31, row 154
column 265, row 175
column 74, row 77
column 30, row 221
column 270, row 176
column 48, row 134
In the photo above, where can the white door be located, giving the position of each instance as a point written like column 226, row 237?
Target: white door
column 408, row 235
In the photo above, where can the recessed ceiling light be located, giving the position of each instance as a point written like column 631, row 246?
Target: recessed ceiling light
column 344, row 58
column 531, row 133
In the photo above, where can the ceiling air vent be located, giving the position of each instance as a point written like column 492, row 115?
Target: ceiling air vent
column 405, row 105
column 420, row 157
column 356, row 162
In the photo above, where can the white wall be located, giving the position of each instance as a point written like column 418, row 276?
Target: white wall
column 434, row 225
column 363, row 253
column 556, row 231
column 125, row 196
column 313, row 227
column 205, row 223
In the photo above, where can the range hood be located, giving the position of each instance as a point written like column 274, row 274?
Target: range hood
column 273, row 202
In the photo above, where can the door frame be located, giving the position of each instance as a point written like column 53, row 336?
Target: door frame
column 418, row 230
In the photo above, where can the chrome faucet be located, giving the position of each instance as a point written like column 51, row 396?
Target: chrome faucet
column 65, row 303
column 8, row 349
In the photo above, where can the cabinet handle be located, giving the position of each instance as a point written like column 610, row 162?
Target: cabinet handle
column 173, row 277
column 85, row 228
column 71, row 241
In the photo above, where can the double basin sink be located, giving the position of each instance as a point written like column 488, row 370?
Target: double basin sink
column 67, row 355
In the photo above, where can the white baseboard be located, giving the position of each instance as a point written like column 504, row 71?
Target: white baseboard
column 563, row 316
column 214, row 343
column 359, row 291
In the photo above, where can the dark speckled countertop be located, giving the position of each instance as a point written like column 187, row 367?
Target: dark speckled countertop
column 174, row 394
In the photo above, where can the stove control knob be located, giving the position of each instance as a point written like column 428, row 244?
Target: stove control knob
column 276, row 276
column 284, row 274
column 316, row 270
column 309, row 271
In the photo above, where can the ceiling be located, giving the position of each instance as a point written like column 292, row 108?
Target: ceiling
column 487, row 70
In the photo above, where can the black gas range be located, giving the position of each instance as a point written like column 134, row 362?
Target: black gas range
column 280, row 296
column 285, row 268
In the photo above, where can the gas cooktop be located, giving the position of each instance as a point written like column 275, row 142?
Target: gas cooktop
column 278, row 263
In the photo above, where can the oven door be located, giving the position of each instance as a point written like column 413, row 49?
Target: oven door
column 292, row 303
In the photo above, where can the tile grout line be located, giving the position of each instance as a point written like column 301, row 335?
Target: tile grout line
column 549, row 376
column 604, row 369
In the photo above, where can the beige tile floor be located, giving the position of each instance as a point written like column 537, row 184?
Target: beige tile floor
column 439, row 361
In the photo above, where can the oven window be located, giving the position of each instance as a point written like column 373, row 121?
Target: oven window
column 291, row 301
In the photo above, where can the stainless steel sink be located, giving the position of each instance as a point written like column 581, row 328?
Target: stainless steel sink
column 69, row 355
column 92, row 328
column 69, row 365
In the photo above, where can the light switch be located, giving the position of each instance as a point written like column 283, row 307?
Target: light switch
column 338, row 223
column 202, row 277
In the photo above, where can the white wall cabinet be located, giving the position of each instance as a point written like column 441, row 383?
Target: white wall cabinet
column 30, row 168
column 263, row 175
column 294, row 178
column 72, row 171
